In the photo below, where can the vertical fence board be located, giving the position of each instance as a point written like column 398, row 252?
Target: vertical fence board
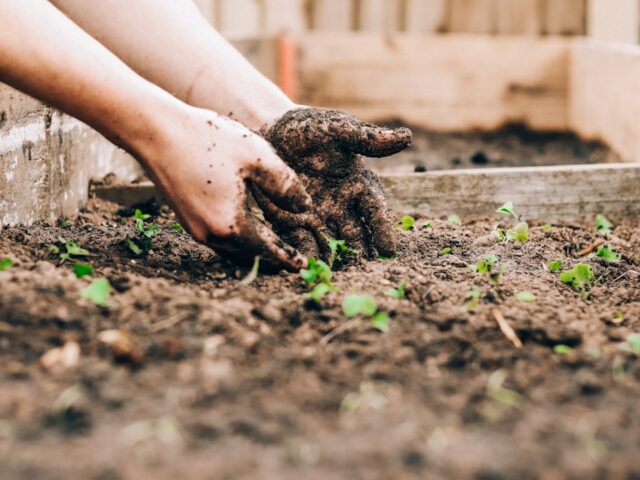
column 565, row 17
column 425, row 15
column 473, row 16
column 240, row 18
column 332, row 15
column 619, row 24
column 378, row 15
column 519, row 16
column 283, row 16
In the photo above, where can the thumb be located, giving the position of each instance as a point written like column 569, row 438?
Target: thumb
column 280, row 183
column 374, row 141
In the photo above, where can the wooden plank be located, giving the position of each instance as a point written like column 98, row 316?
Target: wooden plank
column 614, row 23
column 240, row 18
column 333, row 15
column 549, row 194
column 565, row 17
column 426, row 15
column 604, row 101
column 283, row 16
column 379, row 15
column 473, row 16
column 457, row 82
column 519, row 17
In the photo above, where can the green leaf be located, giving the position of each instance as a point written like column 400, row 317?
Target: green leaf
column 98, row 292
column 473, row 297
column 380, row 321
column 499, row 235
column 317, row 271
column 555, row 266
column 319, row 291
column 177, row 227
column 547, row 228
column 455, row 219
column 562, row 349
column 354, row 305
column 520, row 233
column 74, row 249
column 446, row 251
column 141, row 216
column 604, row 226
column 399, row 292
column 54, row 249
column 134, row 247
column 151, row 231
column 82, row 270
column 407, row 223
column 525, row 297
column 486, row 265
column 337, row 248
column 507, row 209
column 608, row 254
column 633, row 341
column 5, row 264
column 427, row 224
column 579, row 277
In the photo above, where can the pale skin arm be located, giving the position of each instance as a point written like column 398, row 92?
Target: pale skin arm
column 171, row 44
column 199, row 159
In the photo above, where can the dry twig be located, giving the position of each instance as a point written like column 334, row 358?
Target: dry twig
column 506, row 328
column 591, row 248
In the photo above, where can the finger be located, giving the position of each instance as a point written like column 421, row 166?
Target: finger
column 354, row 233
column 375, row 141
column 280, row 183
column 372, row 206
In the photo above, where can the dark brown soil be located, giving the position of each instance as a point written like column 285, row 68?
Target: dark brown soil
column 512, row 146
column 230, row 381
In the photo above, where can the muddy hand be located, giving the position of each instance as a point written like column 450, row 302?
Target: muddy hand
column 324, row 147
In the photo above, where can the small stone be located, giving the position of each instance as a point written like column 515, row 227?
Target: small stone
column 61, row 358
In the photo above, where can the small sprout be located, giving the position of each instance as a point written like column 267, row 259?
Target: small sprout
column 608, row 254
column 253, row 273
column 489, row 266
column 398, row 292
column 446, row 251
column 634, row 343
column 82, row 270
column 337, row 248
column 562, row 349
column 317, row 271
column 177, row 227
column 5, row 264
column 520, row 233
column 319, row 291
column 455, row 219
column 473, row 299
column 618, row 317
column 507, row 209
column 71, row 247
column 497, row 392
column 144, row 242
column 426, row 225
column 604, row 226
column 64, row 223
column 547, row 228
column 407, row 223
column 133, row 247
column 98, row 292
column 525, row 297
column 499, row 235
column 354, row 305
column 555, row 266
column 579, row 277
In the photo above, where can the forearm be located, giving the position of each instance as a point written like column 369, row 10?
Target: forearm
column 47, row 56
column 172, row 45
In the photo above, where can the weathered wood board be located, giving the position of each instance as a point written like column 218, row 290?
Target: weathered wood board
column 440, row 82
column 617, row 21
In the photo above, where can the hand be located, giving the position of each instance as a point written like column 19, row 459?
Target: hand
column 324, row 147
column 203, row 163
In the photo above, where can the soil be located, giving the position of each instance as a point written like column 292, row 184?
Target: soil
column 512, row 146
column 212, row 379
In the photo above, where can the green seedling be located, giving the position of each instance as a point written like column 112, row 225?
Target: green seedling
column 253, row 273
column 555, row 266
column 499, row 235
column 98, row 292
column 5, row 264
column 317, row 271
column 337, row 249
column 71, row 249
column 177, row 227
column 473, row 299
column 82, row 270
column 608, row 254
column 519, row 233
column 562, row 349
column 618, row 317
column 133, row 247
column 64, row 223
column 446, row 251
column 547, row 228
column 318, row 292
column 144, row 242
column 489, row 266
column 525, row 297
column 579, row 277
column 632, row 344
column 604, row 226
column 399, row 292
column 366, row 306
column 507, row 209
column 426, row 225
column 455, row 219
column 407, row 223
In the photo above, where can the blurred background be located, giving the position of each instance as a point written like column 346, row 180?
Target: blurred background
column 610, row 20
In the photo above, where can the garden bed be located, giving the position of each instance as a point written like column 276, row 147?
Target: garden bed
column 209, row 378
